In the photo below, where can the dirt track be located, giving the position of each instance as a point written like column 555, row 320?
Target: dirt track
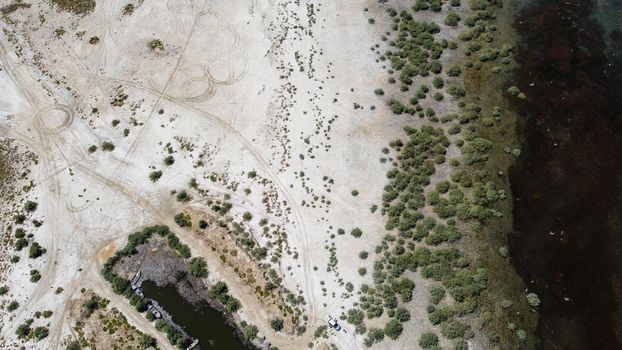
column 225, row 80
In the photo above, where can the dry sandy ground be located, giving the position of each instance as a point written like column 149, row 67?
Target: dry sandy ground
column 240, row 86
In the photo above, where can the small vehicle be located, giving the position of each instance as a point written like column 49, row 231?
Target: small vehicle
column 333, row 324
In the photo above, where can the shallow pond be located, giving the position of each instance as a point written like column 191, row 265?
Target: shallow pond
column 203, row 322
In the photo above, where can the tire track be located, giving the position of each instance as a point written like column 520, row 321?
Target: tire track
column 301, row 227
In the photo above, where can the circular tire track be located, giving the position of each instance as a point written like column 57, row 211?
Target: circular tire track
column 53, row 119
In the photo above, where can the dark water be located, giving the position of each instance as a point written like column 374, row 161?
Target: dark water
column 203, row 323
column 567, row 183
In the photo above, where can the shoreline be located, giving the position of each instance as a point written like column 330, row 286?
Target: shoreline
column 504, row 281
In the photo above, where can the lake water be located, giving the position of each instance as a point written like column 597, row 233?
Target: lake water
column 567, row 183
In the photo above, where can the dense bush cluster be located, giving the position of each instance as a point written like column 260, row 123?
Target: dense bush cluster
column 425, row 243
column 220, row 292
column 414, row 51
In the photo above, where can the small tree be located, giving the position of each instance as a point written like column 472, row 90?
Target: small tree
column 41, row 332
column 74, row 345
column 155, row 175
column 147, row 341
column 92, row 304
column 12, row 306
column 36, row 250
column 108, row 146
column 183, row 196
column 23, row 330
column 35, row 276
column 249, row 330
column 356, row 232
column 183, row 220
column 30, row 206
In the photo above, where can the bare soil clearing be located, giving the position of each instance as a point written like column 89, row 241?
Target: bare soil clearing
column 247, row 95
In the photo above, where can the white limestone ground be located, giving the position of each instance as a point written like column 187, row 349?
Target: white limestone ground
column 241, row 86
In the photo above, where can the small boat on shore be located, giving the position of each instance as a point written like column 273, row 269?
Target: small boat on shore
column 136, row 277
column 193, row 344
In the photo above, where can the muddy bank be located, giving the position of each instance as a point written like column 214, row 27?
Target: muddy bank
column 567, row 184
column 159, row 263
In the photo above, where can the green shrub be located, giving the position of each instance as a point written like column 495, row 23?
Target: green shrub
column 77, row 7
column 455, row 91
column 183, row 220
column 396, row 106
column 155, row 44
column 453, row 329
column 428, row 340
column 198, row 267
column 40, row 333
column 438, row 83
column 108, row 146
column 92, row 304
column 147, row 341
column 73, row 345
column 92, row 149
column 393, row 329
column 203, row 224
column 437, row 293
column 19, row 218
column 30, row 206
column 183, row 196
column 35, row 276
column 533, row 299
column 454, row 71
column 402, row 315
column 232, row 304
column 356, row 232
column 249, row 330
column 375, row 335
column 13, row 305
column 170, row 160
column 277, row 324
column 23, row 330
column 452, row 19
column 513, row 90
column 155, row 175
column 36, row 250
